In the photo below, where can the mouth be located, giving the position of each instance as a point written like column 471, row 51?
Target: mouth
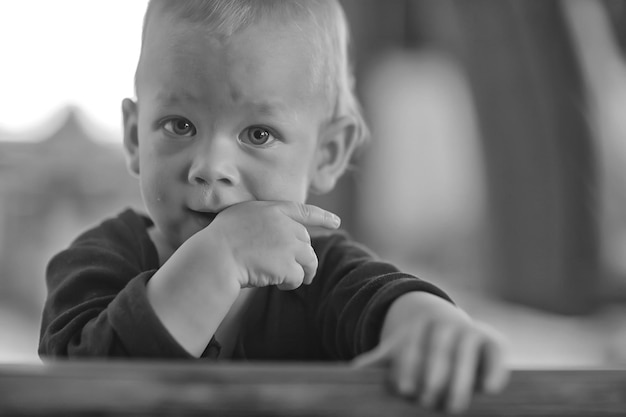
column 203, row 218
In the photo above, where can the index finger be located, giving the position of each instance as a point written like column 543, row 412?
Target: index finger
column 310, row 215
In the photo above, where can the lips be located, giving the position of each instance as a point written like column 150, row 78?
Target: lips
column 203, row 218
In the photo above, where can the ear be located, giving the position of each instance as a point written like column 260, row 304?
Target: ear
column 334, row 150
column 131, row 142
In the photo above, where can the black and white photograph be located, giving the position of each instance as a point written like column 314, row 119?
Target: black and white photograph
column 313, row 208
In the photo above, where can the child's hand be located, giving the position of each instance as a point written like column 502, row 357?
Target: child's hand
column 439, row 356
column 251, row 244
column 267, row 243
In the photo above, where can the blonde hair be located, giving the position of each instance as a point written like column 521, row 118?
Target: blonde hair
column 329, row 38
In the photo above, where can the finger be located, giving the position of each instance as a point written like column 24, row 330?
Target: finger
column 378, row 356
column 293, row 278
column 406, row 369
column 302, row 234
column 494, row 373
column 307, row 259
column 464, row 373
column 310, row 215
column 438, row 364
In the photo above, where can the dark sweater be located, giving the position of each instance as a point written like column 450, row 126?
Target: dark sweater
column 97, row 304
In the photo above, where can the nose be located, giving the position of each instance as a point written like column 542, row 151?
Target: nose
column 214, row 162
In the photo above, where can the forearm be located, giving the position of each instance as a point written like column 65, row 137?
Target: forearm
column 120, row 324
column 191, row 301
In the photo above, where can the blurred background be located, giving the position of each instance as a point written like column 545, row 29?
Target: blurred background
column 496, row 167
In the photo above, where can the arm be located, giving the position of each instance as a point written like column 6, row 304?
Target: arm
column 251, row 244
column 436, row 353
column 190, row 301
column 100, row 303
column 103, row 296
column 97, row 303
column 353, row 293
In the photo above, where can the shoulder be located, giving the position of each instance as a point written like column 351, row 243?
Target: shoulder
column 127, row 225
column 340, row 255
column 342, row 258
column 125, row 235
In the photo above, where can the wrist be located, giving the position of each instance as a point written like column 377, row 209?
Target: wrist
column 192, row 293
column 418, row 304
column 208, row 254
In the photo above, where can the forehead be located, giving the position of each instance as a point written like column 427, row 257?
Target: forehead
column 264, row 59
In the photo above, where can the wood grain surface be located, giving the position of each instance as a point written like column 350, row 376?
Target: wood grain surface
column 121, row 388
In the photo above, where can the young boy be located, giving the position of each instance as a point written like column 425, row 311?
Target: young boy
column 242, row 109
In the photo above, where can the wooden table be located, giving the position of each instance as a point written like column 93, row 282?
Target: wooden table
column 120, row 388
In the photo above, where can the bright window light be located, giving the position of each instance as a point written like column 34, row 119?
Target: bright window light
column 67, row 53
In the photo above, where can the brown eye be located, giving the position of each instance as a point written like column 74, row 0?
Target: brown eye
column 257, row 136
column 179, row 126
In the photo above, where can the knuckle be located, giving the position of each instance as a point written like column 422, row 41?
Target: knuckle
column 311, row 262
column 304, row 210
column 292, row 277
column 327, row 217
column 275, row 210
column 306, row 235
column 262, row 280
column 443, row 335
column 298, row 272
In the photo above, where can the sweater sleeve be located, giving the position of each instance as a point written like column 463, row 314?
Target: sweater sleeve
column 97, row 304
column 355, row 295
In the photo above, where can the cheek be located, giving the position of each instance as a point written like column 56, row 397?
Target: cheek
column 286, row 179
column 155, row 174
column 151, row 189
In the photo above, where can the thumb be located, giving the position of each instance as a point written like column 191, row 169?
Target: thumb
column 380, row 355
column 310, row 215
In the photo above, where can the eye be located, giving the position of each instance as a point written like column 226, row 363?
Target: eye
column 257, row 136
column 179, row 126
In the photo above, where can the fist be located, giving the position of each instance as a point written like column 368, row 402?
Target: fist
column 267, row 243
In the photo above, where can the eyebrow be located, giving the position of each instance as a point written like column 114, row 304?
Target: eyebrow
column 175, row 98
column 270, row 108
column 276, row 110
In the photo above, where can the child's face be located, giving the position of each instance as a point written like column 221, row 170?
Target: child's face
column 220, row 123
